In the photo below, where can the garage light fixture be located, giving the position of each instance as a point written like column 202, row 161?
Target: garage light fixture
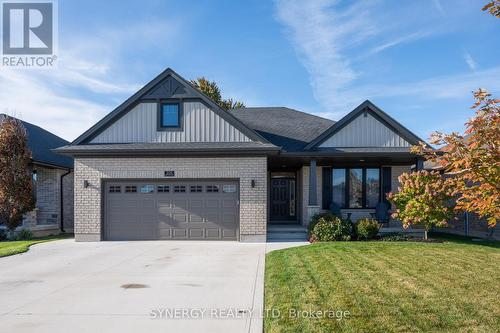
column 253, row 183
column 86, row 183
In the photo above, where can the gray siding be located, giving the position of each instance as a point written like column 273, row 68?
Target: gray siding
column 365, row 131
column 200, row 124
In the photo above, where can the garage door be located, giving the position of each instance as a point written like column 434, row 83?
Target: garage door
column 201, row 210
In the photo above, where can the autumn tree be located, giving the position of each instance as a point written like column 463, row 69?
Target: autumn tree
column 212, row 90
column 493, row 7
column 423, row 198
column 15, row 177
column 473, row 159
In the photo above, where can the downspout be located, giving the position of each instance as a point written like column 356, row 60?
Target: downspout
column 61, row 197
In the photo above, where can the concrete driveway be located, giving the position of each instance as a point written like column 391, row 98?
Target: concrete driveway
column 64, row 286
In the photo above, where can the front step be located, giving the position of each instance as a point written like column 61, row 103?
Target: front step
column 286, row 233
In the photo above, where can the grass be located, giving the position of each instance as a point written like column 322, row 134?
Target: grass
column 386, row 286
column 8, row 248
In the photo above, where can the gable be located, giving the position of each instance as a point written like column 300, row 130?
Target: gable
column 200, row 124
column 365, row 131
column 137, row 120
column 365, row 126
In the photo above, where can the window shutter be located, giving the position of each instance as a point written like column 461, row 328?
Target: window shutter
column 386, row 183
column 327, row 188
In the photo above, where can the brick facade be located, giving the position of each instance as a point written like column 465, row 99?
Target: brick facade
column 46, row 217
column 253, row 201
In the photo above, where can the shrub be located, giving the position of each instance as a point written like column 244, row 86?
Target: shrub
column 395, row 237
column 3, row 235
column 330, row 228
column 316, row 218
column 367, row 228
column 24, row 234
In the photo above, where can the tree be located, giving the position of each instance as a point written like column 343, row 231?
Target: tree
column 473, row 159
column 212, row 90
column 15, row 177
column 493, row 7
column 424, row 198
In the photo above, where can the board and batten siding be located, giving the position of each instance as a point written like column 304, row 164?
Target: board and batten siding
column 200, row 124
column 365, row 131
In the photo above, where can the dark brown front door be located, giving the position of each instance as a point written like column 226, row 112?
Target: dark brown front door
column 283, row 202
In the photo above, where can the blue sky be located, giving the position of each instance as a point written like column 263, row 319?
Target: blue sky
column 417, row 60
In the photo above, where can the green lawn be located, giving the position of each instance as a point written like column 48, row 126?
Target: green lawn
column 9, row 248
column 386, row 287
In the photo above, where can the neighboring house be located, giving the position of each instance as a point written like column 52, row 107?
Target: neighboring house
column 52, row 176
column 169, row 163
column 464, row 223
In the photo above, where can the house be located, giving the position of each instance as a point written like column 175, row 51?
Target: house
column 464, row 223
column 169, row 163
column 52, row 176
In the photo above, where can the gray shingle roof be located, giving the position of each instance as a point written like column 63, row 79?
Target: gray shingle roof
column 41, row 143
column 284, row 127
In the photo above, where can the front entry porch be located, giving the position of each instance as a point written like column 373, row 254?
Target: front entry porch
column 283, row 198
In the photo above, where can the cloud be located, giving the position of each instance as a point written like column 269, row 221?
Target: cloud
column 92, row 76
column 400, row 40
column 320, row 32
column 35, row 98
column 439, row 7
column 453, row 87
column 470, row 61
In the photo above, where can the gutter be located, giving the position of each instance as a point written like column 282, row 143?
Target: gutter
column 61, row 197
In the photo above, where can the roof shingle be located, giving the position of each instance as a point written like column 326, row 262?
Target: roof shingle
column 41, row 143
column 288, row 128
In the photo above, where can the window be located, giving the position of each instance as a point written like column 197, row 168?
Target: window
column 338, row 186
column 170, row 115
column 147, row 189
column 229, row 188
column 179, row 188
column 196, row 188
column 130, row 189
column 356, row 187
column 162, row 188
column 212, row 188
column 372, row 187
column 115, row 189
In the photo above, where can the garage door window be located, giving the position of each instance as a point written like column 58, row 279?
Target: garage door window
column 196, row 188
column 130, row 189
column 163, row 188
column 212, row 188
column 229, row 188
column 147, row 189
column 115, row 189
column 179, row 188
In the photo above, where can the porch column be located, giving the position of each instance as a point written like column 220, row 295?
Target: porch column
column 313, row 196
column 420, row 164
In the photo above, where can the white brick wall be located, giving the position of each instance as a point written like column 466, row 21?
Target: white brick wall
column 253, row 201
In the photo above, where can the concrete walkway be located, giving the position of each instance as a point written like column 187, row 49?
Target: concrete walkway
column 64, row 286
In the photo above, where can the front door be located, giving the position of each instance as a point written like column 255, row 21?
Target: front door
column 283, row 202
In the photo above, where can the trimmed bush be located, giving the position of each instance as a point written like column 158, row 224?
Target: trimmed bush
column 316, row 218
column 328, row 228
column 367, row 229
column 24, row 234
